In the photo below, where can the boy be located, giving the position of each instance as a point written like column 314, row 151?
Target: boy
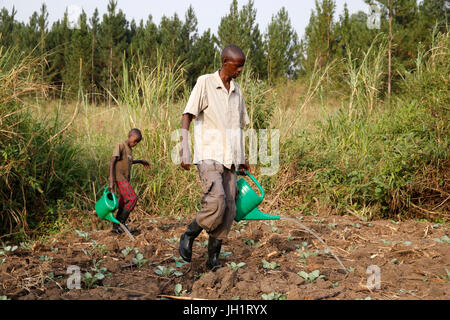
column 119, row 174
column 217, row 104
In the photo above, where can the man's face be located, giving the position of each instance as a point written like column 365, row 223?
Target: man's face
column 233, row 66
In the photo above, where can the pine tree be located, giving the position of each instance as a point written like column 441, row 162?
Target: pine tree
column 239, row 27
column 94, row 30
column 282, row 47
column 78, row 60
column 203, row 57
column 113, row 44
column 319, row 41
column 7, row 27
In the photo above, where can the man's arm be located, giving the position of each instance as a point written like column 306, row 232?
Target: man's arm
column 185, row 124
column 112, row 177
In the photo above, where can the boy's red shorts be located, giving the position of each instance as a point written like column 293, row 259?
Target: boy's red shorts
column 128, row 197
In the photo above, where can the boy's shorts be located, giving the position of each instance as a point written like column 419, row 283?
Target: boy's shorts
column 128, row 197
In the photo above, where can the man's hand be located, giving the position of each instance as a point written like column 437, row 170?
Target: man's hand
column 185, row 166
column 244, row 166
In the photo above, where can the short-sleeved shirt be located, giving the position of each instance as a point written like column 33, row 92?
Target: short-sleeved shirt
column 124, row 161
column 220, row 117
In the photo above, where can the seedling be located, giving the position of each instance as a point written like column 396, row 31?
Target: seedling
column 4, row 298
column 446, row 278
column 310, row 277
column 82, row 234
column 179, row 262
column 101, row 248
column 332, row 225
column 319, row 220
column 8, row 249
column 225, row 254
column 290, row 238
column 275, row 229
column 167, row 272
column 2, row 260
column 444, row 239
column 126, row 251
column 139, row 260
column 356, row 225
column 305, row 254
column 179, row 290
column 235, row 266
column 351, row 269
column 45, row 258
column 270, row 265
column 91, row 281
column 250, row 242
column 274, row 296
column 173, row 240
column 334, row 285
column 407, row 243
column 25, row 245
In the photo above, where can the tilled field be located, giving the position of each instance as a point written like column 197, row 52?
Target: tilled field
column 262, row 260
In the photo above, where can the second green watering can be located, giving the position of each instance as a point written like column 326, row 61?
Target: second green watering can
column 248, row 201
column 106, row 206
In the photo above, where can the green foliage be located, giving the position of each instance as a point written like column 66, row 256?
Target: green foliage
column 178, row 290
column 164, row 271
column 310, row 277
column 270, row 265
column 273, row 296
column 235, row 266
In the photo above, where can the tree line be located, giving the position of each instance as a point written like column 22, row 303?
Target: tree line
column 92, row 55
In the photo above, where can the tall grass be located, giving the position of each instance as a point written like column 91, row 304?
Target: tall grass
column 368, row 165
column 38, row 164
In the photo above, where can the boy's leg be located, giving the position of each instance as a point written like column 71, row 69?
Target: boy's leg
column 129, row 199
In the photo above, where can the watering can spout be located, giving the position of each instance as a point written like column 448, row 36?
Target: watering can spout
column 255, row 214
column 248, row 201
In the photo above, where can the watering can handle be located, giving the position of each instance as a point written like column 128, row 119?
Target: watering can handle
column 256, row 183
column 114, row 196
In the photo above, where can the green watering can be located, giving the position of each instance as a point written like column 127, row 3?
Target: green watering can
column 248, row 201
column 106, row 206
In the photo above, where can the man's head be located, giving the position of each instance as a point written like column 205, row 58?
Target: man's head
column 233, row 60
column 134, row 137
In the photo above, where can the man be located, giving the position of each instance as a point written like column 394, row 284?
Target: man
column 217, row 104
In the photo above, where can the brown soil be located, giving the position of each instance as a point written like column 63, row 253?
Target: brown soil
column 412, row 263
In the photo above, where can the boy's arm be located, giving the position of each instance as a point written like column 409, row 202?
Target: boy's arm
column 143, row 162
column 112, row 171
column 184, row 152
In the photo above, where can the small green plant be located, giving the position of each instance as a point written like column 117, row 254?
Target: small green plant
column 274, row 296
column 4, row 298
column 235, row 266
column 305, row 254
column 139, row 260
column 101, row 248
column 8, row 249
column 249, row 242
column 126, row 251
column 310, row 277
column 82, row 234
column 444, row 239
column 334, row 285
column 173, row 240
column 319, row 221
column 25, row 245
column 92, row 281
column 2, row 260
column 332, row 225
column 446, row 277
column 270, row 265
column 167, row 272
column 179, row 262
column 290, row 238
column 179, row 290
column 45, row 258
column 356, row 225
column 225, row 254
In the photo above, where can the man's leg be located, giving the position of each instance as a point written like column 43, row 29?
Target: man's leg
column 221, row 232
column 213, row 206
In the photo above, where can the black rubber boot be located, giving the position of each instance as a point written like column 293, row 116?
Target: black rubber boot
column 187, row 239
column 122, row 216
column 214, row 246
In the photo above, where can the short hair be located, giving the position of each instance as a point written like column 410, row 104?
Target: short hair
column 232, row 50
column 136, row 132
